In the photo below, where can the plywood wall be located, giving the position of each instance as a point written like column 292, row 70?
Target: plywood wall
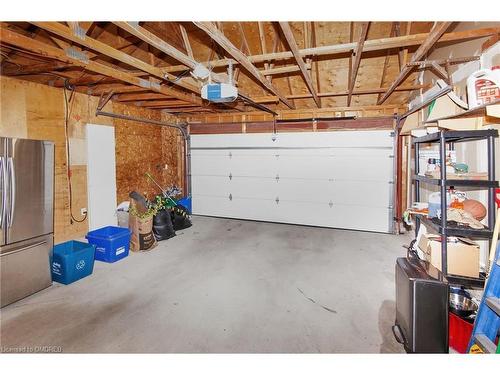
column 36, row 111
column 142, row 148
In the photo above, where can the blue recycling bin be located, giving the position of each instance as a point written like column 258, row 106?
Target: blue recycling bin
column 186, row 202
column 72, row 261
column 111, row 243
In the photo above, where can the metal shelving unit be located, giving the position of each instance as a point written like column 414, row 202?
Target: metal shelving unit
column 443, row 227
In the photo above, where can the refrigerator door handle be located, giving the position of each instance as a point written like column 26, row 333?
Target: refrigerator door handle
column 4, row 185
column 12, row 190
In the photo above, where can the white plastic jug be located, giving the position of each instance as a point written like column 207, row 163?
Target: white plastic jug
column 435, row 204
column 483, row 87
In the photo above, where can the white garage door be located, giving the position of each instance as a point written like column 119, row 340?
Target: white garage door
column 341, row 179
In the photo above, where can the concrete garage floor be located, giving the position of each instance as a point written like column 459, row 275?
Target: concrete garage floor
column 225, row 286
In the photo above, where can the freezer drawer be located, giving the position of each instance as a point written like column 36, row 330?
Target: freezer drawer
column 25, row 269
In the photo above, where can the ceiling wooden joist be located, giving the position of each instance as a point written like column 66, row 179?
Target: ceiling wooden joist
column 240, row 57
column 277, row 65
column 287, row 32
column 81, row 59
column 357, row 59
column 380, row 44
column 437, row 31
column 97, row 46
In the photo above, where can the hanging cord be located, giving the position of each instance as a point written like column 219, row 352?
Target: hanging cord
column 68, row 155
column 178, row 77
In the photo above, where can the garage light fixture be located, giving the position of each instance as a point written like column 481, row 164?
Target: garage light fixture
column 200, row 72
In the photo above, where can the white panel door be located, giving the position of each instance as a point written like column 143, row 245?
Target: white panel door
column 335, row 179
column 101, row 176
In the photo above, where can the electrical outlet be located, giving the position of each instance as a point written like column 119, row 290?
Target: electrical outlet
column 83, row 211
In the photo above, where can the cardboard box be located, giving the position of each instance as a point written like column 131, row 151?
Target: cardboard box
column 493, row 110
column 412, row 122
column 466, row 123
column 463, row 255
column 443, row 107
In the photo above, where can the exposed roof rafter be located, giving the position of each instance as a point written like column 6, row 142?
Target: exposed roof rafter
column 357, row 59
column 65, row 32
column 437, row 31
column 381, row 44
column 287, row 32
column 81, row 59
column 229, row 47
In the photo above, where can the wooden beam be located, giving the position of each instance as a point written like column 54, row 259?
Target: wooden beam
column 187, row 110
column 283, row 70
column 437, row 31
column 65, row 32
column 403, row 52
column 269, row 66
column 357, row 59
column 81, row 59
column 229, row 47
column 81, row 28
column 153, row 40
column 117, row 88
column 397, row 32
column 244, row 47
column 287, row 32
column 263, row 47
column 316, row 62
column 265, row 99
column 165, row 47
column 440, row 71
column 165, row 103
column 131, row 97
column 150, row 38
column 386, row 62
column 346, row 92
column 185, row 40
column 276, row 42
column 35, row 68
column 381, row 44
column 351, row 38
column 244, row 40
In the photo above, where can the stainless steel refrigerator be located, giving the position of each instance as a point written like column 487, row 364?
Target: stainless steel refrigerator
column 26, row 217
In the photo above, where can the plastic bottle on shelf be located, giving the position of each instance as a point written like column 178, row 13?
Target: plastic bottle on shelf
column 435, row 204
column 431, row 165
column 483, row 87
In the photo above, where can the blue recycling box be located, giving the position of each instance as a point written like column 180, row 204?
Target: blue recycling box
column 72, row 261
column 186, row 202
column 111, row 243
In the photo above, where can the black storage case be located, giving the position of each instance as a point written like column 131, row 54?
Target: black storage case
column 421, row 308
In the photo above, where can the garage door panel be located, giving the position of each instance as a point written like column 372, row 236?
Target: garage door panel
column 237, row 208
column 262, row 163
column 258, row 188
column 347, row 192
column 214, row 163
column 210, row 185
column 305, row 190
column 346, row 139
column 374, row 194
column 336, row 179
column 337, row 216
